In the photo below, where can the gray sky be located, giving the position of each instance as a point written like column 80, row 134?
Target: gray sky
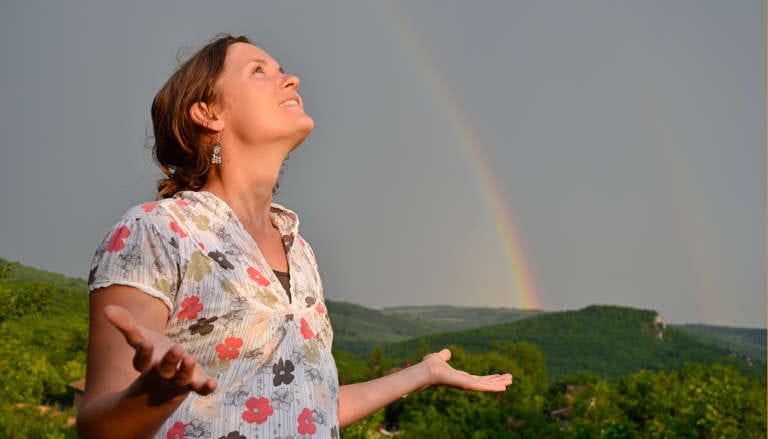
column 624, row 140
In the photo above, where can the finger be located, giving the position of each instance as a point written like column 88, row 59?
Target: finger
column 491, row 383
column 445, row 354
column 169, row 363
column 186, row 371
column 496, row 376
column 142, row 359
column 208, row 387
column 121, row 319
column 505, row 379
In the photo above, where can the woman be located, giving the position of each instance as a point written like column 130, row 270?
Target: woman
column 207, row 313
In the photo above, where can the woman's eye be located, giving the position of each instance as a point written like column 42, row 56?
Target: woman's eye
column 258, row 69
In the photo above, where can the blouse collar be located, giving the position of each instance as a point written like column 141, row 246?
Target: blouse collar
column 284, row 219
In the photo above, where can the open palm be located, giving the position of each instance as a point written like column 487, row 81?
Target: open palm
column 166, row 370
column 442, row 374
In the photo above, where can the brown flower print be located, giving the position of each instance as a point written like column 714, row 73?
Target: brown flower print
column 283, row 371
column 203, row 326
column 221, row 259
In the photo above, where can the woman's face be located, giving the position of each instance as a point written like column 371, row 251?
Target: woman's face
column 258, row 101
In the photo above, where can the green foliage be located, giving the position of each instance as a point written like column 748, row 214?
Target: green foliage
column 24, row 299
column 365, row 428
column 6, row 268
column 44, row 321
column 28, row 421
column 633, row 383
column 446, row 412
column 351, row 369
column 694, row 401
column 376, row 363
column 748, row 342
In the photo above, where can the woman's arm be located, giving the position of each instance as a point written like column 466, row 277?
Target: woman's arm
column 135, row 377
column 359, row 400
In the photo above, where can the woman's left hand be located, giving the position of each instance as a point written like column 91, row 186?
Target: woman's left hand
column 442, row 374
column 359, row 400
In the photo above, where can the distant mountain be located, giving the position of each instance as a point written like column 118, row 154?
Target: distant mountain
column 454, row 318
column 748, row 342
column 610, row 341
column 357, row 329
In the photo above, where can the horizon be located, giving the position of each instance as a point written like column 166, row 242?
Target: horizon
column 465, row 307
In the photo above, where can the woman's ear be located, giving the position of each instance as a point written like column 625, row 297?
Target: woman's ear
column 203, row 115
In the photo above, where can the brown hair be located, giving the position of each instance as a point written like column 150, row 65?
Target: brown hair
column 178, row 149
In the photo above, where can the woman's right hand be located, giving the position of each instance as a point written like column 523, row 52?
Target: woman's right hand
column 166, row 371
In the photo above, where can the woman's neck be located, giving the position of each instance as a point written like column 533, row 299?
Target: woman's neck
column 247, row 189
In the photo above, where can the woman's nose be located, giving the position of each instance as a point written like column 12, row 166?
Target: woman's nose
column 290, row 81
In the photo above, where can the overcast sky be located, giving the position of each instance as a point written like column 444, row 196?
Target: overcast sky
column 624, row 143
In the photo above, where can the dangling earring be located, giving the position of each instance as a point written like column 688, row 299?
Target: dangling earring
column 216, row 154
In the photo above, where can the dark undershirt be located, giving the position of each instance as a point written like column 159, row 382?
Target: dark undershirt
column 285, row 281
column 282, row 276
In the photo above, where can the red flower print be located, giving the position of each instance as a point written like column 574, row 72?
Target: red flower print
column 117, row 242
column 259, row 409
column 257, row 277
column 229, row 349
column 176, row 228
column 182, row 203
column 148, row 207
column 202, row 246
column 306, row 331
column 190, row 307
column 320, row 308
column 176, row 431
column 301, row 241
column 306, row 426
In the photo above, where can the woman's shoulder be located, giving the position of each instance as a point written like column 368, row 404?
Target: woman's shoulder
column 153, row 211
column 155, row 220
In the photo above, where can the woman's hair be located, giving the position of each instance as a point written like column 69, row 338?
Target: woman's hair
column 178, row 147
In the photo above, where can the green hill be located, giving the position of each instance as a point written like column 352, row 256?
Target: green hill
column 609, row 341
column 749, row 342
column 48, row 312
column 455, row 318
column 44, row 322
column 357, row 329
column 21, row 272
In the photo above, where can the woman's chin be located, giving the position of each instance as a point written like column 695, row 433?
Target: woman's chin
column 302, row 132
column 308, row 122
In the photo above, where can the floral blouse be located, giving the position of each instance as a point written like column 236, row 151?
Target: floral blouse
column 269, row 351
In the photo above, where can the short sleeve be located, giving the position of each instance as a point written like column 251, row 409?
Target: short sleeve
column 136, row 254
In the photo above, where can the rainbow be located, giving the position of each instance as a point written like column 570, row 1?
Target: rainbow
column 520, row 275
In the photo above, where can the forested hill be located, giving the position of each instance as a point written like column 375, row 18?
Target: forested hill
column 609, row 341
column 357, row 329
column 44, row 317
column 454, row 318
column 750, row 342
